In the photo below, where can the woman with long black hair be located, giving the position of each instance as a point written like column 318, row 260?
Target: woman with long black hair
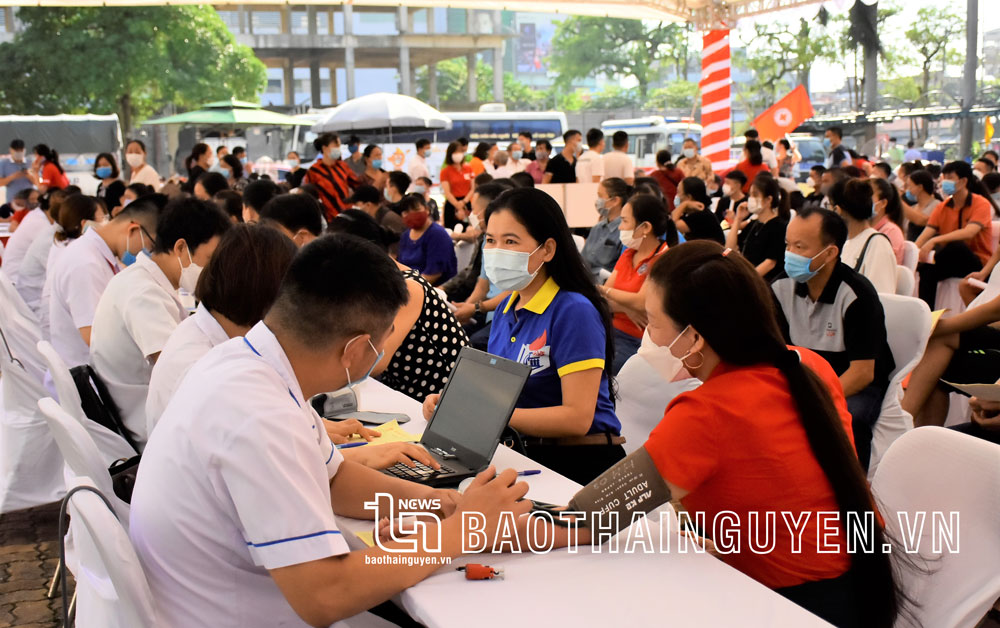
column 692, row 212
column 556, row 322
column 768, row 432
column 46, row 172
column 197, row 164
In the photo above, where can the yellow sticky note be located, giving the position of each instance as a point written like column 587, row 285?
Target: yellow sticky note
column 368, row 538
column 936, row 316
column 391, row 432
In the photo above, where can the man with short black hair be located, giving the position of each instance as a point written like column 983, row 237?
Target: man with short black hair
column 14, row 171
column 221, row 151
column 993, row 156
column 355, row 158
column 732, row 193
column 240, row 482
column 398, row 184
column 298, row 216
column 838, row 156
column 255, row 196
column 882, row 170
column 590, row 166
column 826, row 306
column 982, row 167
column 912, row 154
column 141, row 307
column 562, row 167
column 418, row 163
column 618, row 163
column 524, row 138
column 81, row 273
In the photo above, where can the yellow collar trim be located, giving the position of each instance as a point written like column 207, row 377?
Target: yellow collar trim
column 541, row 301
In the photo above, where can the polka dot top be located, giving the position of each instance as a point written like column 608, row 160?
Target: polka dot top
column 424, row 360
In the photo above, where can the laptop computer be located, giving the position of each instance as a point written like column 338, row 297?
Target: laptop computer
column 469, row 420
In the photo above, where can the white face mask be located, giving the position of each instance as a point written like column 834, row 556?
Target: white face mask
column 134, row 159
column 189, row 275
column 474, row 220
column 689, row 152
column 293, row 163
column 508, row 270
column 17, row 155
column 661, row 358
column 457, row 158
column 627, row 236
column 727, row 189
column 753, row 205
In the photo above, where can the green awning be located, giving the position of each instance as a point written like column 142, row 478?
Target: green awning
column 230, row 113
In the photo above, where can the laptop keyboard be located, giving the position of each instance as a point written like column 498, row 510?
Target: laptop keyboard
column 417, row 473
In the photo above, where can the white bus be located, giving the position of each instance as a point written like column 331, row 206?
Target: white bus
column 499, row 127
column 647, row 136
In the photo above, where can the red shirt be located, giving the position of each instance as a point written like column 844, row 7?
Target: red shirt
column 53, row 177
column 737, row 444
column 630, row 279
column 945, row 218
column 334, row 183
column 460, row 179
column 668, row 179
column 750, row 171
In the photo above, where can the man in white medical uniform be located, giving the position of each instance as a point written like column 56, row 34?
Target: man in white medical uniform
column 141, row 307
column 83, row 270
column 233, row 510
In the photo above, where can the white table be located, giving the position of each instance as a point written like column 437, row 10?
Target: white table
column 586, row 589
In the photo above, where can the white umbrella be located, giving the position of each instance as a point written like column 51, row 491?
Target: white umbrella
column 383, row 113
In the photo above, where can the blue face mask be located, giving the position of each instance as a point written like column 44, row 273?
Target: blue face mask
column 677, row 200
column 418, row 189
column 128, row 257
column 243, row 160
column 873, row 208
column 948, row 187
column 103, row 171
column 909, row 198
column 377, row 164
column 352, row 148
column 380, row 355
column 517, row 155
column 826, row 143
column 427, row 153
column 797, row 266
column 387, row 195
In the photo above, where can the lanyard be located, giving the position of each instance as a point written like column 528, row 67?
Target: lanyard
column 257, row 353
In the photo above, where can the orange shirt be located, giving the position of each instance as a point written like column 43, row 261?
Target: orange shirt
column 334, row 183
column 737, row 444
column 945, row 218
column 460, row 180
column 750, row 171
column 52, row 177
column 630, row 279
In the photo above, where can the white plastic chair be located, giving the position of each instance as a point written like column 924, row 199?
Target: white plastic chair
column 905, row 281
column 81, row 453
column 911, row 255
column 580, row 242
column 111, row 587
column 992, row 289
column 110, row 444
column 30, row 463
column 464, row 251
column 947, row 296
column 908, row 326
column 996, row 234
column 934, row 469
column 642, row 398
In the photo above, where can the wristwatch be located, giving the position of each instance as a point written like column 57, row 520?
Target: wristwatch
column 479, row 307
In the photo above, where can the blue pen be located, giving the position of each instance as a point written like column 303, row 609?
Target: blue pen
column 529, row 472
column 349, row 445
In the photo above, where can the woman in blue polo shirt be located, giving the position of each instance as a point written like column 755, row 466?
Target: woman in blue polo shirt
column 556, row 322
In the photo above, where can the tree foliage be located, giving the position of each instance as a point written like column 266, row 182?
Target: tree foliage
column 676, row 95
column 132, row 61
column 780, row 56
column 452, row 82
column 584, row 47
column 932, row 37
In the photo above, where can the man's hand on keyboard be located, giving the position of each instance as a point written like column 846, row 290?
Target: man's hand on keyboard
column 384, row 456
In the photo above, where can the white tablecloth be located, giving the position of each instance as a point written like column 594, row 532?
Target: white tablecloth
column 585, row 589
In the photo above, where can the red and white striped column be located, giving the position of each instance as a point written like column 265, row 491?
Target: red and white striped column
column 715, row 98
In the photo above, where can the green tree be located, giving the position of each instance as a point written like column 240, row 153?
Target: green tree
column 132, row 61
column 452, row 83
column 931, row 37
column 779, row 56
column 676, row 95
column 612, row 97
column 586, row 46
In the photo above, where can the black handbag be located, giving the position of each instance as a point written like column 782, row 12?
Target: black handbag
column 123, row 473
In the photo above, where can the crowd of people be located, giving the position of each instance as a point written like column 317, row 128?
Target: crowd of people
column 765, row 291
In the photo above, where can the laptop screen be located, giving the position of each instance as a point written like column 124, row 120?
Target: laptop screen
column 476, row 405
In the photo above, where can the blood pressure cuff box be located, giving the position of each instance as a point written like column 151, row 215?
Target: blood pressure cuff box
column 632, row 485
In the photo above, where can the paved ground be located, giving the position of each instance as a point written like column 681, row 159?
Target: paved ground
column 28, row 556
